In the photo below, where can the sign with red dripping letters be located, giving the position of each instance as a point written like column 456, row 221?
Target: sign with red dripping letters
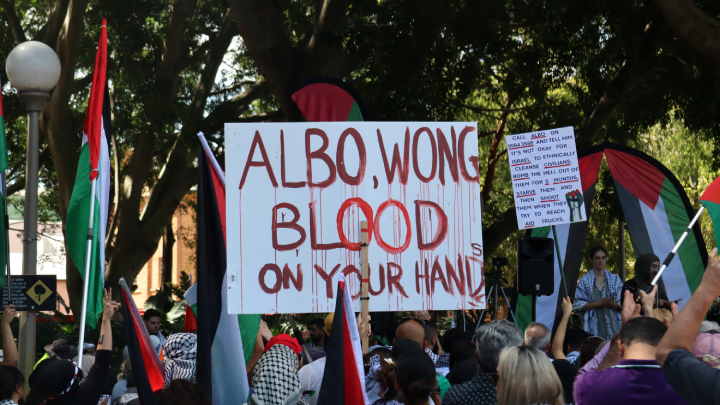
column 297, row 192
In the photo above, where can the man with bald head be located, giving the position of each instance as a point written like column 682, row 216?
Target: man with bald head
column 412, row 330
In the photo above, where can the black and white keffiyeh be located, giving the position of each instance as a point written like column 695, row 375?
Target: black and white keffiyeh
column 443, row 360
column 276, row 379
column 180, row 357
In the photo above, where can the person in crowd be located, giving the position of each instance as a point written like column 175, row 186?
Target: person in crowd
column 574, row 339
column 316, row 333
column 88, row 358
column 636, row 375
column 707, row 348
column 463, row 366
column 58, row 381
column 695, row 381
column 183, row 392
column 275, row 380
column 597, row 297
column 565, row 370
column 180, row 354
column 129, row 394
column 152, row 319
column 432, row 338
column 413, row 328
column 449, row 339
column 12, row 385
column 311, row 375
column 60, row 349
column 380, row 376
column 709, row 327
column 588, row 350
column 415, row 380
column 646, row 267
column 10, row 353
column 525, row 377
column 490, row 339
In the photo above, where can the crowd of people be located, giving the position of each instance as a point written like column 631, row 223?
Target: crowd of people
column 634, row 347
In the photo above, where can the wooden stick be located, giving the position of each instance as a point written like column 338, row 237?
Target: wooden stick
column 364, row 282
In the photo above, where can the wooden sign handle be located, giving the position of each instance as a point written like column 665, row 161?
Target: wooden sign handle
column 364, row 282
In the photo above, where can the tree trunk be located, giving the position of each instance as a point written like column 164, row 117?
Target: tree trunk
column 167, row 258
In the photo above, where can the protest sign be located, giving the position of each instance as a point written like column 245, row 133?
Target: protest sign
column 296, row 193
column 545, row 178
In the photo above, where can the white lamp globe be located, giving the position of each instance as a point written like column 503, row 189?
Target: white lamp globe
column 33, row 66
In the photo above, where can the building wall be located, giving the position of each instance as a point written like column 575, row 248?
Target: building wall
column 149, row 280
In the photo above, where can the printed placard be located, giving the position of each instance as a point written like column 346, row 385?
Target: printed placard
column 297, row 192
column 546, row 178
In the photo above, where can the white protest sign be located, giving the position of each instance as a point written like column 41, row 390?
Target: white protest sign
column 297, row 192
column 545, row 178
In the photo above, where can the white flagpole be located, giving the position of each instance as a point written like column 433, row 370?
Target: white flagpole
column 88, row 256
column 7, row 239
column 671, row 255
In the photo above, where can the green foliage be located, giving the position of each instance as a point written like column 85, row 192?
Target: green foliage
column 171, row 304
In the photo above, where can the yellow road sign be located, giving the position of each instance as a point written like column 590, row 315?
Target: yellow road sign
column 39, row 292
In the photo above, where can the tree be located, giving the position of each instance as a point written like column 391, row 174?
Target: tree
column 610, row 69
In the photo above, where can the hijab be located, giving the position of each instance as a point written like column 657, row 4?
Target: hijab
column 180, row 357
column 644, row 274
column 276, row 379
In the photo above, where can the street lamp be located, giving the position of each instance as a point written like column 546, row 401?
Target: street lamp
column 33, row 69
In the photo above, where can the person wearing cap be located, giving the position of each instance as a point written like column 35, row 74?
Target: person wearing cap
column 57, row 381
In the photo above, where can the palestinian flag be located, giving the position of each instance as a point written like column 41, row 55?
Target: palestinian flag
column 3, row 219
column 220, row 344
column 344, row 377
column 248, row 323
column 324, row 99
column 94, row 165
column 711, row 200
column 657, row 211
column 571, row 241
column 147, row 369
column 190, row 323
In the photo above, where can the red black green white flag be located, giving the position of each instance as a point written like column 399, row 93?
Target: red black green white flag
column 657, row 212
column 94, row 164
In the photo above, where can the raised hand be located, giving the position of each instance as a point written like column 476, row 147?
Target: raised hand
column 8, row 314
column 648, row 300
column 363, row 325
column 266, row 333
column 711, row 278
column 566, row 307
column 630, row 309
column 110, row 306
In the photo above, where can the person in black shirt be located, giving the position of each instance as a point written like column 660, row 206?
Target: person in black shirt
column 564, row 369
column 58, row 381
column 695, row 381
column 646, row 267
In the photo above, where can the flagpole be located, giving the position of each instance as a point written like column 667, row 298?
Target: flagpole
column 86, row 281
column 560, row 262
column 8, row 282
column 671, row 255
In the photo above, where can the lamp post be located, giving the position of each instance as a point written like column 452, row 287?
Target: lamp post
column 33, row 69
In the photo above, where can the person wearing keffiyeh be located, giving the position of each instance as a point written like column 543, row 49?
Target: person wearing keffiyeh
column 598, row 296
column 276, row 379
column 180, row 354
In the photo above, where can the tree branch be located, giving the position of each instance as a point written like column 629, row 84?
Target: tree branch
column 17, row 186
column 493, row 156
column 14, row 21
column 80, row 84
column 697, row 30
column 261, row 26
column 231, row 109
